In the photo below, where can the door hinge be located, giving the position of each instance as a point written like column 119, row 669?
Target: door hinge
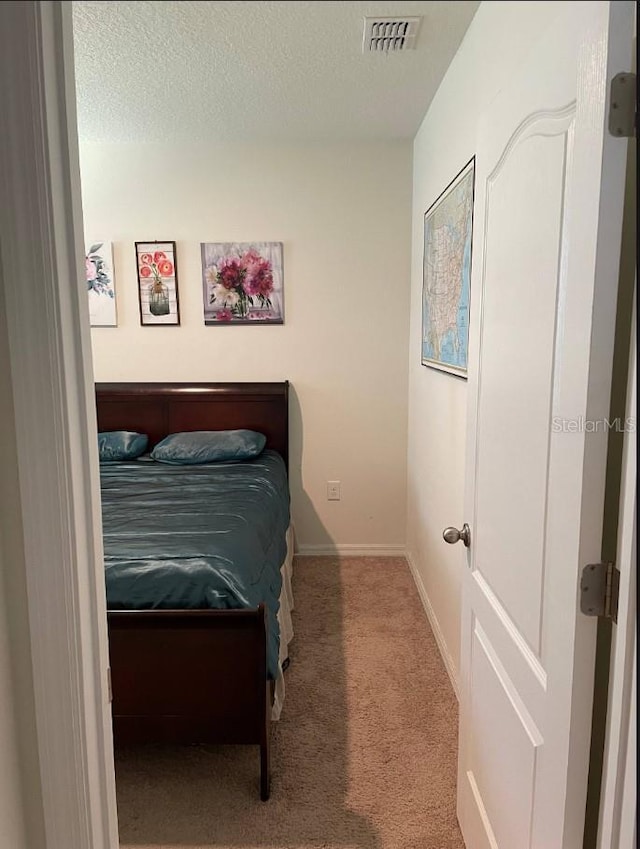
column 623, row 117
column 599, row 590
column 109, row 688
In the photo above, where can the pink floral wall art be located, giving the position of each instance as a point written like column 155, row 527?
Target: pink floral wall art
column 242, row 283
column 102, row 297
column 157, row 283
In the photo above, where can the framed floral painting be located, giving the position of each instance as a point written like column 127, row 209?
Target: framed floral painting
column 157, row 283
column 100, row 285
column 242, row 283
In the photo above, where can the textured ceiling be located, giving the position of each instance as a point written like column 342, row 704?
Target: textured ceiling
column 246, row 71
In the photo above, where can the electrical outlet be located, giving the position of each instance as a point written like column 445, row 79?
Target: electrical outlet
column 333, row 490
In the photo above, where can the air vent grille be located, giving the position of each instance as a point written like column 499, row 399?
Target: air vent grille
column 389, row 35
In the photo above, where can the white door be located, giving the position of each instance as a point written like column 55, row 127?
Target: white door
column 547, row 221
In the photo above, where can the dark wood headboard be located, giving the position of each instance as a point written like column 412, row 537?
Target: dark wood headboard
column 159, row 409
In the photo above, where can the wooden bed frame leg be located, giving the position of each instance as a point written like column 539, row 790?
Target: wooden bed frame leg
column 265, row 771
column 265, row 747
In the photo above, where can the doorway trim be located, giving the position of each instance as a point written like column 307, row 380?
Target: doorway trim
column 617, row 821
column 54, row 411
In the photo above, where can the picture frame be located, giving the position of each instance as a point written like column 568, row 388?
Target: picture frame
column 446, row 275
column 101, row 284
column 242, row 283
column 157, row 273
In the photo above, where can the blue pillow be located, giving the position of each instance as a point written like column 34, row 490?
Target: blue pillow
column 209, row 446
column 121, row 445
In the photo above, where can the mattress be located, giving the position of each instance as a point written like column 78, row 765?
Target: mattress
column 192, row 537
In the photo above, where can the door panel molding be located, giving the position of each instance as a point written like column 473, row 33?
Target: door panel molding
column 501, row 721
column 518, row 416
column 528, row 723
column 541, row 122
column 529, row 656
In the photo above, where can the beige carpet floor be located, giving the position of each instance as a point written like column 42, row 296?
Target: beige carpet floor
column 363, row 757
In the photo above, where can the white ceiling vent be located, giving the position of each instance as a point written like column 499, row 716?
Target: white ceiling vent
column 389, row 35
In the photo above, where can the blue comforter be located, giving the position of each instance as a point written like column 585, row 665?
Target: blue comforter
column 187, row 537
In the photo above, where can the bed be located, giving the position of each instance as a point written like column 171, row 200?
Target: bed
column 196, row 656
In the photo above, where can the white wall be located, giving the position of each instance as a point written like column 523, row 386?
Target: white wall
column 343, row 214
column 496, row 42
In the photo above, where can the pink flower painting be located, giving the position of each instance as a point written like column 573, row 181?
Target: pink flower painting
column 242, row 282
column 157, row 283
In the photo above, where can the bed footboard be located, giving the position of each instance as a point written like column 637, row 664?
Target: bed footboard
column 191, row 676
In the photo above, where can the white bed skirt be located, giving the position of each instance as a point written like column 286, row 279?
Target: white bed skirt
column 285, row 623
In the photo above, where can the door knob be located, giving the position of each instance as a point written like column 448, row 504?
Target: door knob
column 452, row 535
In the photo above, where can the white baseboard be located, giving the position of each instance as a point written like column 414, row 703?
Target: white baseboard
column 435, row 625
column 352, row 550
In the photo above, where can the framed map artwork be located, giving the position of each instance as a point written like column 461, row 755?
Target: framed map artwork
column 448, row 225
